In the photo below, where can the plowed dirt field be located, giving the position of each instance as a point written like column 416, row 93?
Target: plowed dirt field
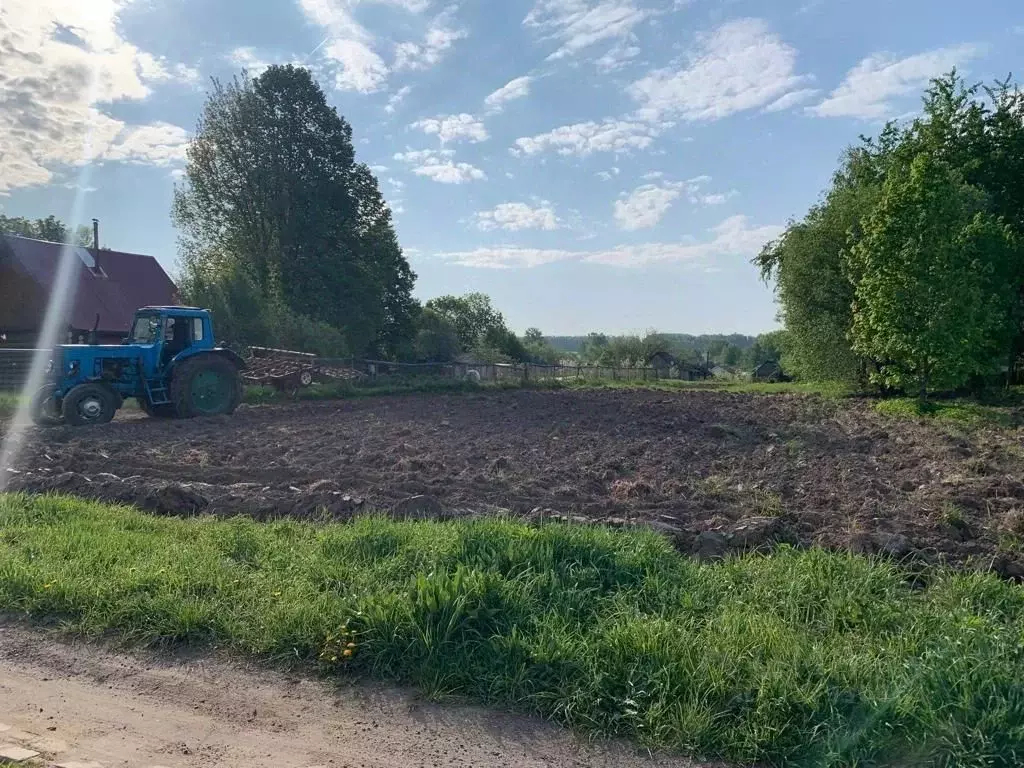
column 714, row 470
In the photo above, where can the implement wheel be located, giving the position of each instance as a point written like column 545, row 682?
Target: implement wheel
column 89, row 404
column 44, row 408
column 207, row 385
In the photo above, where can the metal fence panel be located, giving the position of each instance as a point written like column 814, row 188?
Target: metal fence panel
column 14, row 368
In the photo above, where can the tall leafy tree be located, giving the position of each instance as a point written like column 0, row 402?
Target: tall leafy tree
column 472, row 315
column 538, row 349
column 436, row 338
column 814, row 289
column 976, row 136
column 933, row 302
column 273, row 196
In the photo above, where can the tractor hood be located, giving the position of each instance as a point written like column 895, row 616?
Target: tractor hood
column 106, row 350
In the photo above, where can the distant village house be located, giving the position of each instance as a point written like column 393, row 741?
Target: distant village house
column 769, row 371
column 669, row 366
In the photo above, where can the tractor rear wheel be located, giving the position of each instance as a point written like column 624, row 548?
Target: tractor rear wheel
column 89, row 404
column 44, row 408
column 207, row 385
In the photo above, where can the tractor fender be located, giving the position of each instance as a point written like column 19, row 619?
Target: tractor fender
column 224, row 352
column 231, row 355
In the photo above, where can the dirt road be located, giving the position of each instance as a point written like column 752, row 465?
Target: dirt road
column 82, row 705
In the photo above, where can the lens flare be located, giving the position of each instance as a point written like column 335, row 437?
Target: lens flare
column 58, row 307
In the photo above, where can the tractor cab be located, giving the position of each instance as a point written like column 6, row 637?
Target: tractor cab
column 164, row 333
column 169, row 362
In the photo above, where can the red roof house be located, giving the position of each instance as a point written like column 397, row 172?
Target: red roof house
column 107, row 284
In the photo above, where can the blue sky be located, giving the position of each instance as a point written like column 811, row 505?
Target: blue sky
column 590, row 164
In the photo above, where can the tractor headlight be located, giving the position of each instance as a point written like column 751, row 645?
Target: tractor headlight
column 49, row 366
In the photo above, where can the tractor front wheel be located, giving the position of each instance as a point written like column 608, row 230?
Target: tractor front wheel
column 207, row 385
column 89, row 404
column 44, row 408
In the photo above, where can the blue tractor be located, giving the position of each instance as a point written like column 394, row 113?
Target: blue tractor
column 170, row 363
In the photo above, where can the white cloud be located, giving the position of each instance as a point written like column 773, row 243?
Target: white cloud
column 583, row 139
column 869, row 88
column 61, row 61
column 353, row 53
column 713, row 199
column 396, row 183
column 158, row 69
column 439, row 165
column 518, row 216
column 397, row 98
column 644, row 206
column 609, row 174
column 741, row 65
column 156, row 144
column 696, row 195
column 453, row 128
column 732, row 237
column 439, row 38
column 249, row 59
column 356, row 66
column 513, row 89
column 361, row 69
column 579, row 24
column 616, row 58
column 792, row 99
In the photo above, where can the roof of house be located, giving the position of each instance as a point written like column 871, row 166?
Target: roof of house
column 768, row 365
column 122, row 283
column 662, row 355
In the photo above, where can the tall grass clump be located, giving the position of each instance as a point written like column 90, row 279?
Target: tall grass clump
column 798, row 658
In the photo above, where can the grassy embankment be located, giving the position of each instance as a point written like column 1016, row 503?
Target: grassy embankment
column 1001, row 409
column 802, row 657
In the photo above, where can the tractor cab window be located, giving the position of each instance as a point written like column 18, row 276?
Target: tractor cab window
column 177, row 336
column 146, row 329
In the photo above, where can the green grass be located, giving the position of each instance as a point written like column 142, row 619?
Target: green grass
column 964, row 413
column 256, row 395
column 9, row 402
column 803, row 658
